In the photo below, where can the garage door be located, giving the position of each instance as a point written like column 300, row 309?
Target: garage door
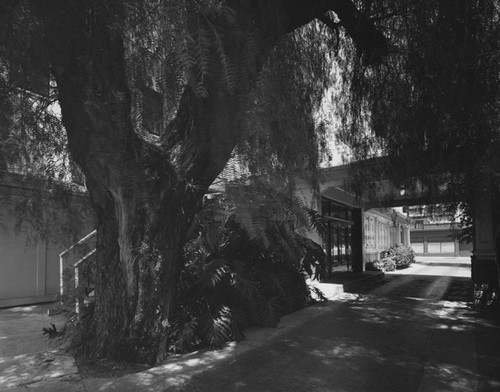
column 447, row 247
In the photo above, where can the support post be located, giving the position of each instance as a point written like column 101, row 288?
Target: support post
column 358, row 242
column 485, row 272
column 62, row 290
column 79, row 297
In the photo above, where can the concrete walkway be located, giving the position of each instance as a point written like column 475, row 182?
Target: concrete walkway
column 404, row 335
column 28, row 359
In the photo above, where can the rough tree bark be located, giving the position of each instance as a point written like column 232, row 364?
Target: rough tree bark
column 146, row 195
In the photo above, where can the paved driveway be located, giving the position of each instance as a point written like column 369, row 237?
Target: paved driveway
column 413, row 333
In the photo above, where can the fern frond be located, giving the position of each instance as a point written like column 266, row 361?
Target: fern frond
column 217, row 327
column 212, row 273
column 318, row 223
column 243, row 280
column 316, row 294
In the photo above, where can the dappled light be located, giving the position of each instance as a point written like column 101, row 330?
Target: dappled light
column 346, row 349
column 404, row 332
column 193, row 139
column 175, row 371
column 393, row 334
column 29, row 368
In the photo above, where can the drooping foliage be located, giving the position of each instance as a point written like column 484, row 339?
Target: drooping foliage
column 32, row 138
column 283, row 139
column 41, row 184
column 168, row 45
column 154, row 97
column 432, row 107
column 245, row 267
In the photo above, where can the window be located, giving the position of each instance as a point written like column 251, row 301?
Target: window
column 434, row 247
column 418, row 247
column 447, row 247
column 419, row 224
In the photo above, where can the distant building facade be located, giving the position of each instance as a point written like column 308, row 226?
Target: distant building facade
column 381, row 228
column 384, row 228
column 436, row 236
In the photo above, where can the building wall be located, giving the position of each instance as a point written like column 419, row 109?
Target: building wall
column 383, row 228
column 23, row 268
column 436, row 240
column 29, row 265
column 379, row 234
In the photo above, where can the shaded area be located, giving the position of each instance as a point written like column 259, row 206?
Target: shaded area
column 396, row 332
column 460, row 289
column 487, row 335
column 27, row 357
column 367, row 286
column 398, row 342
column 313, row 357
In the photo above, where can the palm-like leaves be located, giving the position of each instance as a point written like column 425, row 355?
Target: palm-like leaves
column 244, row 268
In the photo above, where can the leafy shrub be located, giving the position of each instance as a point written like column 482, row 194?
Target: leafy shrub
column 388, row 264
column 231, row 280
column 398, row 255
column 385, row 264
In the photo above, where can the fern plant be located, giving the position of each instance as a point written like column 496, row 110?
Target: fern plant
column 242, row 269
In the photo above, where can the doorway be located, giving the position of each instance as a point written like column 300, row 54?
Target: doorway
column 339, row 236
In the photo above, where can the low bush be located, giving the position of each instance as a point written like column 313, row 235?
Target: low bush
column 388, row 264
column 397, row 256
column 385, row 264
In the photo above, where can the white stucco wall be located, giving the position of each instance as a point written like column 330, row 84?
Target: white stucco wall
column 29, row 267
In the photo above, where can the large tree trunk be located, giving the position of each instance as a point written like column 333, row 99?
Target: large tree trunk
column 145, row 195
column 143, row 202
column 139, row 252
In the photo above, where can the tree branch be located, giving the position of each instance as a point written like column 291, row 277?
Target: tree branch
column 368, row 39
column 201, row 137
column 325, row 19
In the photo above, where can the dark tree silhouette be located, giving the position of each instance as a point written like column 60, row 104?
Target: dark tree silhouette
column 155, row 96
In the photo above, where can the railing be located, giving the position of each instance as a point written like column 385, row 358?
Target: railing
column 79, row 300
column 73, row 274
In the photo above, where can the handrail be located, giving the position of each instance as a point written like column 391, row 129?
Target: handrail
column 77, row 264
column 79, row 298
column 90, row 235
column 61, row 261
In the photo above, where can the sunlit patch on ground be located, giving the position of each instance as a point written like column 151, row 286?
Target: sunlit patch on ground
column 348, row 349
column 28, row 368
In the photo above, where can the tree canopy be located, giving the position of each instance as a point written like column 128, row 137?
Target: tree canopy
column 156, row 96
column 433, row 105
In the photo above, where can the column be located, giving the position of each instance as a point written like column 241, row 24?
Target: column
column 484, row 265
column 358, row 240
